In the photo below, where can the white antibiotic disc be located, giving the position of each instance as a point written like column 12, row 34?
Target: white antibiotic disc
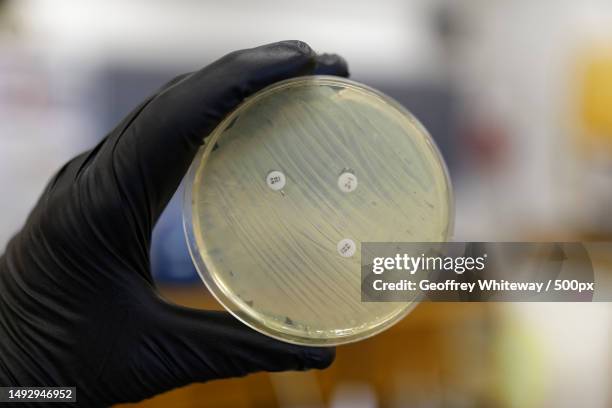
column 276, row 180
column 347, row 182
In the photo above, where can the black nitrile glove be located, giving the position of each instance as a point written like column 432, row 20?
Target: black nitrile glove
column 78, row 306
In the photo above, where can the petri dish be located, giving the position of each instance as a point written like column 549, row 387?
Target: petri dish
column 286, row 189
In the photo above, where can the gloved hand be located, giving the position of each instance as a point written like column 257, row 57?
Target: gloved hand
column 78, row 305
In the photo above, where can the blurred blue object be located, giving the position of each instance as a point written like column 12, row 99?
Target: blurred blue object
column 170, row 259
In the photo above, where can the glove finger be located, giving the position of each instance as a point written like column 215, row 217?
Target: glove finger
column 331, row 64
column 209, row 345
column 154, row 151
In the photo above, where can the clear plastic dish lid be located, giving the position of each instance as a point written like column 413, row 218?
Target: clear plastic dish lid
column 288, row 186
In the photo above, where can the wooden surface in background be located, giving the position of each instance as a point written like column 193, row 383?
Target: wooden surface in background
column 407, row 361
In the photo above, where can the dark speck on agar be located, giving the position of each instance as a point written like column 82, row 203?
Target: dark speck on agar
column 232, row 123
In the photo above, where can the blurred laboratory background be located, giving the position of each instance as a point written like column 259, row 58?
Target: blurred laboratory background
column 517, row 94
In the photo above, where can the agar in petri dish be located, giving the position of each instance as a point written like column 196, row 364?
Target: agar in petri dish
column 301, row 174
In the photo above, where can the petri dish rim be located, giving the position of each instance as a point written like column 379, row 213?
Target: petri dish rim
column 219, row 291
